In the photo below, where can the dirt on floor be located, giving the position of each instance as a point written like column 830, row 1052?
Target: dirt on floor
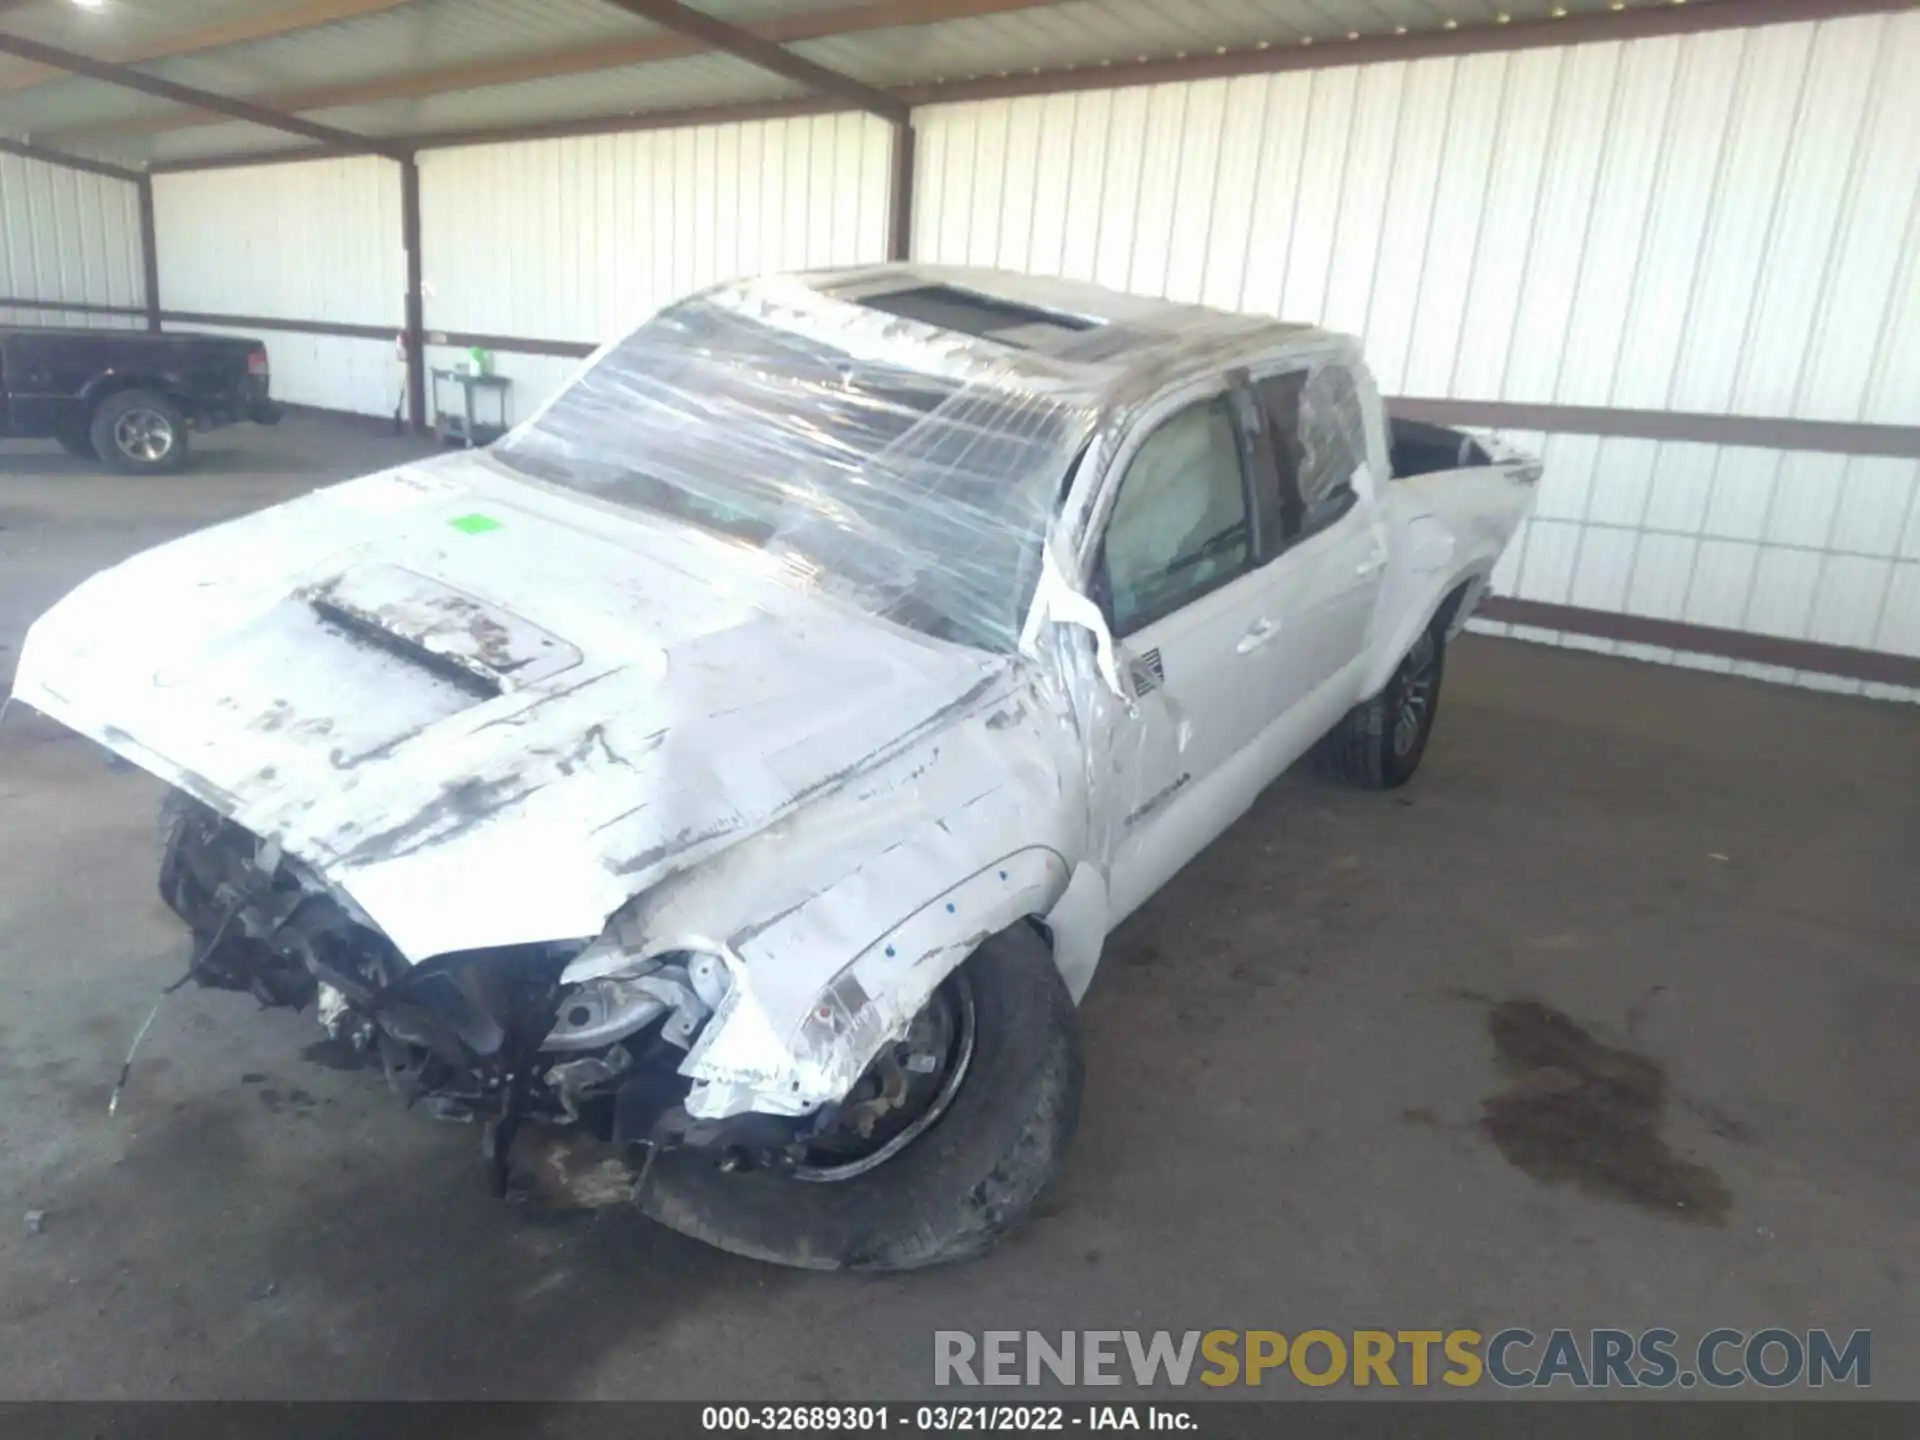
column 1608, row 1019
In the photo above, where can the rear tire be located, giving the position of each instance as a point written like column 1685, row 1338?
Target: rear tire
column 139, row 433
column 952, row 1192
column 1379, row 744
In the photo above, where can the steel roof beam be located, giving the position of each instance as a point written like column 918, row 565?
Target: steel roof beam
column 237, row 31
column 685, row 20
column 1637, row 23
column 111, row 74
column 60, row 157
column 648, row 47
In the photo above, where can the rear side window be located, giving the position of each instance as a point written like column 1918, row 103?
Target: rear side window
column 1319, row 440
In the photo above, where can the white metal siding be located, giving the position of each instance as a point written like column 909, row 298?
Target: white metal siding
column 581, row 239
column 67, row 235
column 1794, row 543
column 1725, row 222
column 317, row 240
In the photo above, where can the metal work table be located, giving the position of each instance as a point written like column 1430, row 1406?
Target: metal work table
column 463, row 425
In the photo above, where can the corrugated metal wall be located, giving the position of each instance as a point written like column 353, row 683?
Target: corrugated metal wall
column 67, row 235
column 1726, row 222
column 318, row 240
column 581, row 239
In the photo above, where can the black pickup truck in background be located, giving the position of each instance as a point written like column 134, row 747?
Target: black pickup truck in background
column 127, row 397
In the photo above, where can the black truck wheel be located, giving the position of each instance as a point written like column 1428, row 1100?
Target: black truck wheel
column 1379, row 743
column 946, row 1191
column 140, row 433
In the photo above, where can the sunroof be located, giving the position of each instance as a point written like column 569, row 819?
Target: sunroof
column 950, row 308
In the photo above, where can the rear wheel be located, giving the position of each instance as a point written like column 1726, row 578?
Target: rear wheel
column 140, row 433
column 943, row 1147
column 1380, row 742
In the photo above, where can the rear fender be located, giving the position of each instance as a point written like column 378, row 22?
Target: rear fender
column 112, row 382
column 1407, row 614
column 1446, row 533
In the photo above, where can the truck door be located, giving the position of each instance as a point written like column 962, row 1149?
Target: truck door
column 1335, row 543
column 1192, row 612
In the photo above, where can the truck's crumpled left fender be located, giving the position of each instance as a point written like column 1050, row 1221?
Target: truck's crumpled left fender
column 837, row 923
column 870, row 1002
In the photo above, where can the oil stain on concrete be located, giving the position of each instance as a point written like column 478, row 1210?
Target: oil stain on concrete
column 1581, row 1112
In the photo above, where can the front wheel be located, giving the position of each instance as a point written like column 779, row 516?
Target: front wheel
column 915, row 1194
column 1379, row 743
column 139, row 433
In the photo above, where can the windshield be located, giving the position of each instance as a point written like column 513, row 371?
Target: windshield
column 881, row 459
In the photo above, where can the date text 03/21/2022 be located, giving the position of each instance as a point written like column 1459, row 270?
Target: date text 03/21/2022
column 945, row 1419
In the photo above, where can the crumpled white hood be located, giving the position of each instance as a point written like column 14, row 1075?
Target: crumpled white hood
column 326, row 674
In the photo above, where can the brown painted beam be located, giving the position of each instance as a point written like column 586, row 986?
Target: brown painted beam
column 256, row 25
column 243, row 159
column 647, row 48
column 149, row 254
column 1871, row 666
column 78, row 307
column 61, row 157
column 1521, row 35
column 741, row 42
column 512, row 344
column 339, row 328
column 549, row 130
column 111, row 74
column 1476, row 39
column 1766, row 432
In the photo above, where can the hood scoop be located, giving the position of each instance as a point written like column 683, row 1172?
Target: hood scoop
column 482, row 649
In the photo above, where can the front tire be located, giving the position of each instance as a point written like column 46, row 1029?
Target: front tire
column 956, row 1188
column 1379, row 744
column 139, row 433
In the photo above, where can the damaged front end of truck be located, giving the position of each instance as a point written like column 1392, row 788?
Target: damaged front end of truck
column 679, row 773
column 531, row 1034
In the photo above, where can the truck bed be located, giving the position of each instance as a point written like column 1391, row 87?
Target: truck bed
column 1417, row 448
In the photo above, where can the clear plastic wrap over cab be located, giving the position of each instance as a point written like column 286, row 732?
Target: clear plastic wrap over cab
column 872, row 457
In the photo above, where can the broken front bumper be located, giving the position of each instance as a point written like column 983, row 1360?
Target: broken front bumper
column 495, row 1035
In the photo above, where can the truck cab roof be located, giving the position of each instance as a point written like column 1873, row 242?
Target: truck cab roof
column 1097, row 344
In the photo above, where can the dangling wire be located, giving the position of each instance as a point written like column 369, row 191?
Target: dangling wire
column 193, row 969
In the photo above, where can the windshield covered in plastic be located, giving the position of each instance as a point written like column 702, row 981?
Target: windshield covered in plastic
column 879, row 459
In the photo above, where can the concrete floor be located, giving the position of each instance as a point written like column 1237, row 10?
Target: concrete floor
column 1288, row 1054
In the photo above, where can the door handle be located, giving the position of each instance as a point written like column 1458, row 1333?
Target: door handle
column 1371, row 565
column 1258, row 634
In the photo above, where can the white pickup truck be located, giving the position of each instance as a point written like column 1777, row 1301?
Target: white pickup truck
column 744, row 761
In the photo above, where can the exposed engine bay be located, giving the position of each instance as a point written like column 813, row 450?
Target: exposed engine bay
column 497, row 1037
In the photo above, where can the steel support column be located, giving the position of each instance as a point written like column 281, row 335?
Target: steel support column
column 415, row 330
